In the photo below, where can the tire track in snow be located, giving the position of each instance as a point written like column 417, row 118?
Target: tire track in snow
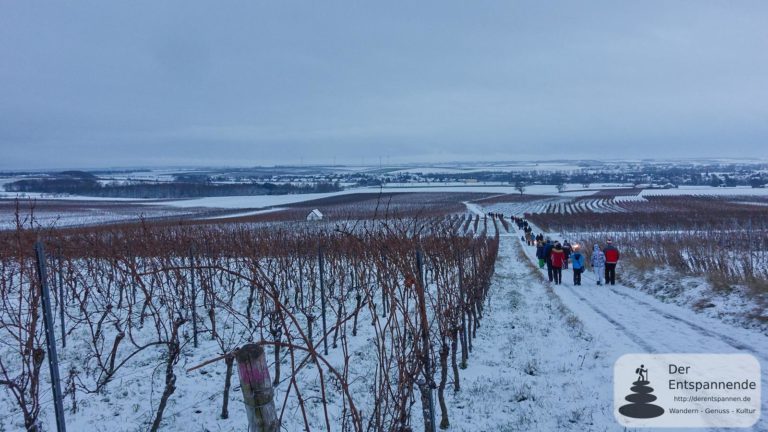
column 709, row 333
column 672, row 344
column 704, row 333
column 635, row 338
column 659, row 332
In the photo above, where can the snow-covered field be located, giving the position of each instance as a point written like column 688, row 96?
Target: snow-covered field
column 501, row 167
column 707, row 191
column 86, row 215
column 60, row 197
column 261, row 201
column 558, row 205
column 570, row 194
column 244, row 214
column 251, row 202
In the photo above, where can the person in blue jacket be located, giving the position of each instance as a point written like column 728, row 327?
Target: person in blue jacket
column 578, row 263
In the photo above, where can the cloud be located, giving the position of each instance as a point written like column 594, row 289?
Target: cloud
column 142, row 83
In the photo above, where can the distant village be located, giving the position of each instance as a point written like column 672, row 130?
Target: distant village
column 319, row 179
column 636, row 175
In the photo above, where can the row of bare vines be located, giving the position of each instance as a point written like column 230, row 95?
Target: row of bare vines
column 363, row 321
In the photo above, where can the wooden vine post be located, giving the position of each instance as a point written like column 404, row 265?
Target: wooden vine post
column 50, row 338
column 425, row 385
column 194, row 295
column 321, row 265
column 257, row 389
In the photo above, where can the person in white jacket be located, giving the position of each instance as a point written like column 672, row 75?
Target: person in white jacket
column 598, row 263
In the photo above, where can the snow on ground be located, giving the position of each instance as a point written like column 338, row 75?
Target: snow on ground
column 148, row 175
column 520, row 208
column 736, row 306
column 485, row 167
column 616, row 320
column 63, row 197
column 542, row 360
column 707, row 190
column 474, row 208
column 759, row 204
column 557, row 204
column 532, row 366
column 629, row 198
column 481, row 187
column 261, row 201
column 251, row 201
column 86, row 216
column 243, row 214
column 623, row 320
column 437, row 170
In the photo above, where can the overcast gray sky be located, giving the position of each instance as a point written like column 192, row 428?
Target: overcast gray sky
column 107, row 83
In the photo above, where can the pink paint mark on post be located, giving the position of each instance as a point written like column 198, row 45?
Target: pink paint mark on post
column 252, row 375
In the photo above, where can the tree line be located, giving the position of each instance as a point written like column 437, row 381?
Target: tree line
column 174, row 189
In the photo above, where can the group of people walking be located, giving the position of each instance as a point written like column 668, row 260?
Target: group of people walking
column 608, row 257
column 556, row 257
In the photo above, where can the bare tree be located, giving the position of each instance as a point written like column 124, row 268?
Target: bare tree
column 520, row 187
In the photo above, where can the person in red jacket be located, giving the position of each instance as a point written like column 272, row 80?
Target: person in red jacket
column 611, row 258
column 557, row 258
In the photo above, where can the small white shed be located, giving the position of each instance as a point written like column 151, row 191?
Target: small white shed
column 315, row 215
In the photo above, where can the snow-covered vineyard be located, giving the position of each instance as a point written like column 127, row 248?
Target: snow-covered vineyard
column 608, row 202
column 361, row 202
column 367, row 322
column 354, row 318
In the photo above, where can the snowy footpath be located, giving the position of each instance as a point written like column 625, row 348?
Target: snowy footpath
column 543, row 358
column 532, row 366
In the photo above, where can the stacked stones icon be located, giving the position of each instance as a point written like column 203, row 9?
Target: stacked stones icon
column 640, row 406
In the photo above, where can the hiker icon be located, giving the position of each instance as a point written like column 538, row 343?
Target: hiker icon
column 642, row 374
column 640, row 406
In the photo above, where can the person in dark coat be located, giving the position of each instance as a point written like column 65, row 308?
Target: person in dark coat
column 548, row 245
column 567, row 252
column 557, row 258
column 528, row 234
column 611, row 259
column 540, row 253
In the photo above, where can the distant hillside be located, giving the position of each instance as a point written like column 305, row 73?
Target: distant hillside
column 78, row 183
column 82, row 175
